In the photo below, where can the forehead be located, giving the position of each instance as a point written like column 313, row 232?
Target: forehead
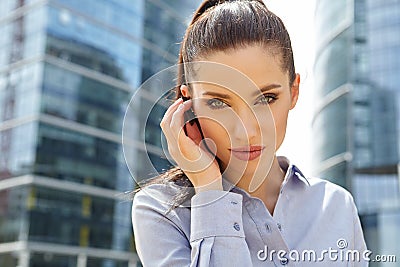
column 239, row 71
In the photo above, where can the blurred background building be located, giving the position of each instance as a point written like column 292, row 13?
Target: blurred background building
column 67, row 71
column 356, row 125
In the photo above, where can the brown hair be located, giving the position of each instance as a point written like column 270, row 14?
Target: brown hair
column 220, row 25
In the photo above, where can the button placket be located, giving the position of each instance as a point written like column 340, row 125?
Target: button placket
column 268, row 228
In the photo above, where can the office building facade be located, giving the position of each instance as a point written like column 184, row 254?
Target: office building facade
column 67, row 71
column 356, row 120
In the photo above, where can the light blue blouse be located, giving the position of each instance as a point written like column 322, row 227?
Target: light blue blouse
column 315, row 223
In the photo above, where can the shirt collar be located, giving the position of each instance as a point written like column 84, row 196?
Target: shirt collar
column 291, row 172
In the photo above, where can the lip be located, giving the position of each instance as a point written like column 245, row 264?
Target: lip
column 247, row 153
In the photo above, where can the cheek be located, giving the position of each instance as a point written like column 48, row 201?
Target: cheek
column 214, row 130
column 280, row 125
column 215, row 124
column 280, row 113
column 219, row 135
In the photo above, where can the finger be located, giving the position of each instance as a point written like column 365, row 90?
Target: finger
column 177, row 119
column 166, row 121
column 171, row 109
column 171, row 129
column 185, row 144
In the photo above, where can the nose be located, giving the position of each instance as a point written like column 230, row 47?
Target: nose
column 246, row 127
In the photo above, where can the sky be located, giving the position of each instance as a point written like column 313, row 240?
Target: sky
column 298, row 17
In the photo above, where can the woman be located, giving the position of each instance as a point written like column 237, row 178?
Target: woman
column 231, row 201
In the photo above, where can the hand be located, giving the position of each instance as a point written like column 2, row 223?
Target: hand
column 188, row 151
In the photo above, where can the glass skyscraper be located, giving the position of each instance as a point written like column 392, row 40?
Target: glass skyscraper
column 67, row 71
column 356, row 125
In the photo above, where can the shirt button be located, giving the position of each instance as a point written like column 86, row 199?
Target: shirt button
column 284, row 261
column 233, row 202
column 268, row 228
column 279, row 226
column 236, row 226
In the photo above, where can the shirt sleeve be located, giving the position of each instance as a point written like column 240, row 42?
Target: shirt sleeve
column 359, row 241
column 217, row 235
column 216, row 232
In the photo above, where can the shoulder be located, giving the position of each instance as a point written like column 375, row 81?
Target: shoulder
column 317, row 189
column 156, row 200
column 330, row 192
column 159, row 194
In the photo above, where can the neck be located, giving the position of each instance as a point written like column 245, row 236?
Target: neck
column 268, row 191
column 271, row 185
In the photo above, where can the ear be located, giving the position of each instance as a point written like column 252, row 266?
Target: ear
column 294, row 91
column 185, row 90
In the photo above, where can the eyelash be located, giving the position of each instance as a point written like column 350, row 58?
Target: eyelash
column 212, row 101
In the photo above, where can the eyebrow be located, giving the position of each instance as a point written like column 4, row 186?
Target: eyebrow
column 261, row 90
column 266, row 88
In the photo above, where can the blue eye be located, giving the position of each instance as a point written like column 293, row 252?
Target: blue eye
column 216, row 103
column 266, row 99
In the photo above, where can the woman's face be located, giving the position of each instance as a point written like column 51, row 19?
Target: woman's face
column 245, row 117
